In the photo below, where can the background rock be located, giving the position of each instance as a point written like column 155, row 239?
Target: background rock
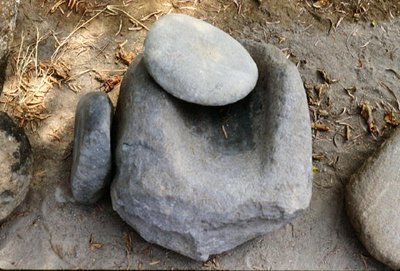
column 373, row 200
column 92, row 161
column 15, row 165
column 203, row 180
column 198, row 62
column 8, row 17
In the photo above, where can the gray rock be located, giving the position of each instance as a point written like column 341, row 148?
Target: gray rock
column 373, row 200
column 198, row 62
column 8, row 17
column 92, row 160
column 202, row 180
column 15, row 165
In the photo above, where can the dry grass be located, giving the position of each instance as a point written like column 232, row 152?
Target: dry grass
column 25, row 98
column 68, row 6
column 366, row 10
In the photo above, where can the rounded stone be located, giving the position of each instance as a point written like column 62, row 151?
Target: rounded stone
column 15, row 165
column 197, row 62
column 373, row 200
column 92, row 160
column 201, row 180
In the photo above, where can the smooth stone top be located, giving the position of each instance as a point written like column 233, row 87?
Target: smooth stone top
column 372, row 202
column 197, row 62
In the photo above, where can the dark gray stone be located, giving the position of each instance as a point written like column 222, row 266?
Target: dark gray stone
column 92, row 159
column 8, row 17
column 202, row 180
column 373, row 200
column 198, row 62
column 15, row 165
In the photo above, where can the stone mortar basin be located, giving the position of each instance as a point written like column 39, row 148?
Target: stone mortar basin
column 202, row 180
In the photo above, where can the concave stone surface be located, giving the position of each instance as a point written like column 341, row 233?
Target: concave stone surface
column 8, row 16
column 92, row 159
column 202, row 180
column 198, row 62
column 373, row 200
column 15, row 165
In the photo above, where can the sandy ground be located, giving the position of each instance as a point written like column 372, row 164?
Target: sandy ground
column 356, row 46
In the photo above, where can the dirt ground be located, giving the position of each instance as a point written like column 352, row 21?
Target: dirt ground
column 348, row 56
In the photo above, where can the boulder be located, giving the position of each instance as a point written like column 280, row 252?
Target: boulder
column 92, row 160
column 198, row 62
column 202, row 180
column 8, row 17
column 15, row 165
column 372, row 202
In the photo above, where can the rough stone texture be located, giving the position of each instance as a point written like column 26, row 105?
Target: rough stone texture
column 15, row 165
column 373, row 200
column 92, row 159
column 8, row 16
column 198, row 62
column 202, row 180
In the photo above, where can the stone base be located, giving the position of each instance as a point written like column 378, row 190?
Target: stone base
column 202, row 180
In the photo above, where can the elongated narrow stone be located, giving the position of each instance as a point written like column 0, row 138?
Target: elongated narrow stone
column 92, row 159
